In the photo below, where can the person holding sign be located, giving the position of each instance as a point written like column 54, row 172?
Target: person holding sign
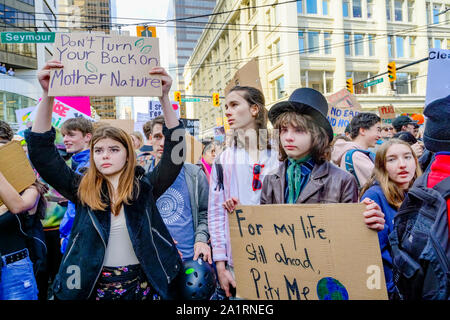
column 238, row 173
column 396, row 169
column 119, row 247
column 20, row 216
column 305, row 175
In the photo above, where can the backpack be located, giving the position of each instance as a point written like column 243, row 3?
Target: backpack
column 349, row 162
column 420, row 242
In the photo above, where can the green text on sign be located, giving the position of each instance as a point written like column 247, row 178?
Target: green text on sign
column 28, row 37
column 374, row 82
column 190, row 100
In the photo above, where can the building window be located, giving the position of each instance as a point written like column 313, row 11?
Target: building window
column 371, row 45
column 313, row 41
column 438, row 43
column 388, row 9
column 402, row 83
column 301, row 41
column 428, row 12
column 369, row 9
column 436, row 11
column 390, row 47
column 300, row 6
column 325, row 7
column 348, row 48
column 357, row 11
column 398, row 10
column 311, row 6
column 359, row 46
column 280, row 88
column 345, row 8
column 411, row 11
column 277, row 50
column 400, row 46
column 327, row 42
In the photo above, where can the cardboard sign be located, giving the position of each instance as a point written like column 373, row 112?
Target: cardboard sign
column 387, row 114
column 155, row 109
column 15, row 167
column 126, row 125
column 104, row 65
column 438, row 81
column 194, row 149
column 248, row 75
column 342, row 107
column 305, row 252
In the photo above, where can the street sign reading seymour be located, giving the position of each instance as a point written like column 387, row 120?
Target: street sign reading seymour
column 27, row 37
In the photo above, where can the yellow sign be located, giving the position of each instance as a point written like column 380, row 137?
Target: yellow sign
column 226, row 125
column 143, row 31
column 219, row 122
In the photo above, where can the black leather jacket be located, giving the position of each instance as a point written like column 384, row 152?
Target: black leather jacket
column 83, row 260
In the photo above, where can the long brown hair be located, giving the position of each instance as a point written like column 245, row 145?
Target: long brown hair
column 394, row 195
column 254, row 96
column 320, row 147
column 90, row 190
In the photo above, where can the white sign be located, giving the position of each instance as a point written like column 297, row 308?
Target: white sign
column 438, row 79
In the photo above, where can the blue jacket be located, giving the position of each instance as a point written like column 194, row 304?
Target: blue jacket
column 82, row 263
column 79, row 161
column 376, row 194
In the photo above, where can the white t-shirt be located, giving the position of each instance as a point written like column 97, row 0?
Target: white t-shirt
column 119, row 251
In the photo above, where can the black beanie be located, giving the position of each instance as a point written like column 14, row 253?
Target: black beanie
column 436, row 136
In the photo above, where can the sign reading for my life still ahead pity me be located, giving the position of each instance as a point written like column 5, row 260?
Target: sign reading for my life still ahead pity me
column 305, row 252
column 105, row 65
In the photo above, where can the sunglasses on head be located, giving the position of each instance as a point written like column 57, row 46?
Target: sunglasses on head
column 388, row 129
column 256, row 183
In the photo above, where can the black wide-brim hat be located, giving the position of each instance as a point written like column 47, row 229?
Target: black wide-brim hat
column 305, row 101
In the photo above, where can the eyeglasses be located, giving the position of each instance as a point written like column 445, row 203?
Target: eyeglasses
column 256, row 183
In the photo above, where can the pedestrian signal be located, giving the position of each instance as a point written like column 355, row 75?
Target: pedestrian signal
column 177, row 96
column 392, row 71
column 350, row 85
column 216, row 100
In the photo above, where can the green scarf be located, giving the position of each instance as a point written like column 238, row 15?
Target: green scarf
column 294, row 175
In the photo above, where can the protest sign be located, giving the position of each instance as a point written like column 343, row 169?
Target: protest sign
column 387, row 114
column 63, row 108
column 247, row 75
column 305, row 252
column 15, row 167
column 342, row 107
column 105, row 65
column 194, row 149
column 192, row 126
column 141, row 119
column 438, row 81
column 126, row 125
column 155, row 109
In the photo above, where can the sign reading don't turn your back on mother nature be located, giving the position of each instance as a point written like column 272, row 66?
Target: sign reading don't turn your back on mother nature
column 105, row 65
column 305, row 252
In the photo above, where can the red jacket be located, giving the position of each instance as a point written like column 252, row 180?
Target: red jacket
column 440, row 169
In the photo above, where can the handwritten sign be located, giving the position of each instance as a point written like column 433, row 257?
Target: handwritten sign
column 15, row 167
column 105, row 65
column 438, row 81
column 305, row 252
column 192, row 126
column 155, row 109
column 387, row 114
column 342, row 107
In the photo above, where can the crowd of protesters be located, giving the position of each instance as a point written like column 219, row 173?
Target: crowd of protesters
column 127, row 213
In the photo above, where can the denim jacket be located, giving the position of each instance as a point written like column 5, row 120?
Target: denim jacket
column 82, row 262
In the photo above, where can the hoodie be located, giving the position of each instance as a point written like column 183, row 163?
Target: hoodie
column 361, row 162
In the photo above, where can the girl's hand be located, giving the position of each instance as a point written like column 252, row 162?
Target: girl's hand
column 44, row 74
column 166, row 80
column 373, row 216
column 230, row 204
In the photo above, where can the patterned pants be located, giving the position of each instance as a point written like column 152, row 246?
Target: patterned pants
column 124, row 283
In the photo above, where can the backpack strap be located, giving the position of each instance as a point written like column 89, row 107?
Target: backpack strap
column 443, row 187
column 219, row 169
column 349, row 162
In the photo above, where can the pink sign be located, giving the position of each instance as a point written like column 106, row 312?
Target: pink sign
column 82, row 104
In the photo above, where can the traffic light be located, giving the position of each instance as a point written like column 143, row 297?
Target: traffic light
column 177, row 96
column 350, row 85
column 216, row 100
column 392, row 71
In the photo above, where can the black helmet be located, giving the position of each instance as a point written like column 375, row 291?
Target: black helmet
column 198, row 280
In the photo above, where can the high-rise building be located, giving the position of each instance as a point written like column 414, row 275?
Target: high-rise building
column 95, row 16
column 319, row 44
column 22, row 89
column 188, row 30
